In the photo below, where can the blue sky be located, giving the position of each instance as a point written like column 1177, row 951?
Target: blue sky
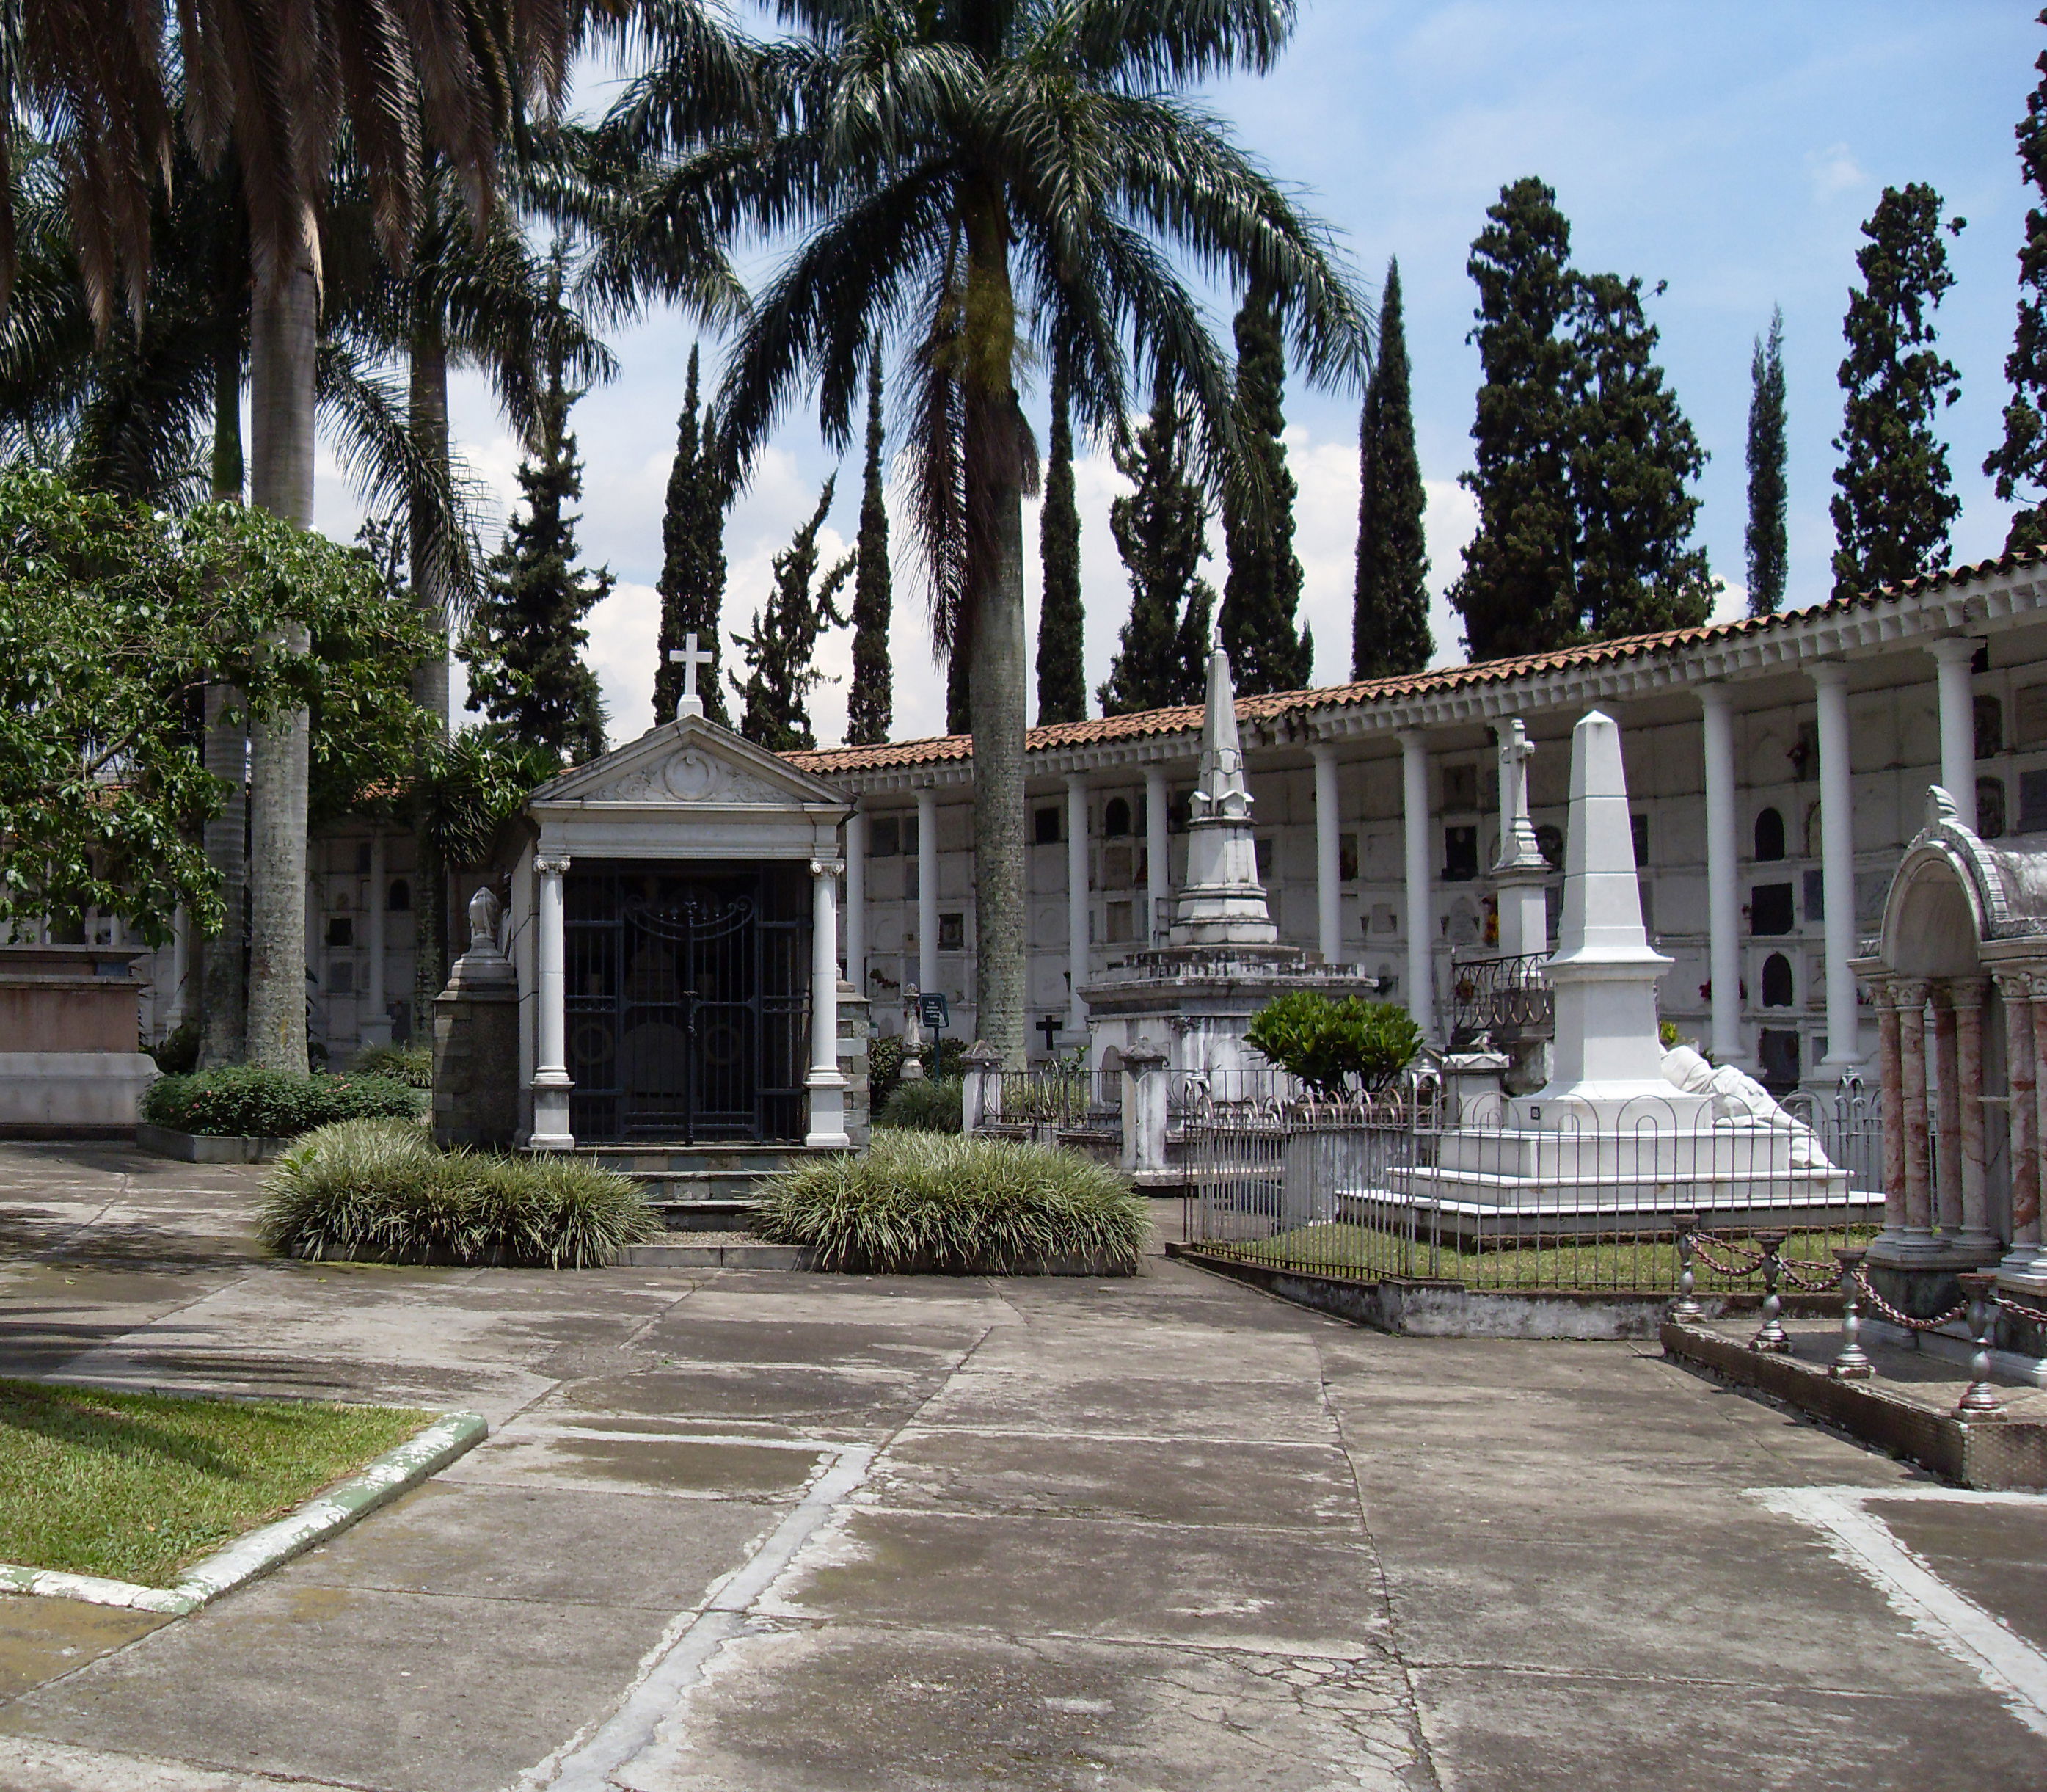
column 1730, row 150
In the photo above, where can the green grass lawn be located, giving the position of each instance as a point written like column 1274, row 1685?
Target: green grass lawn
column 137, row 1486
column 1651, row 1265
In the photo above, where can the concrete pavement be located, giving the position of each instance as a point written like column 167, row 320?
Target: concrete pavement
column 743, row 1530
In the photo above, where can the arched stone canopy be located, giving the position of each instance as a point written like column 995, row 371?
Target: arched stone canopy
column 1958, row 979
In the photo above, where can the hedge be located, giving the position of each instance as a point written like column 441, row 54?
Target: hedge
column 239, row 1101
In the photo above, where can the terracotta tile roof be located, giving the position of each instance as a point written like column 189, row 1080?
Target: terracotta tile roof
column 1186, row 719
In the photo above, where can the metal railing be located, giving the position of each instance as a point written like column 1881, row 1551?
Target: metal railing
column 1503, row 998
column 1388, row 1188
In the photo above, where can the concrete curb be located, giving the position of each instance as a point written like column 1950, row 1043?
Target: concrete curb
column 2002, row 1454
column 394, row 1473
column 1409, row 1307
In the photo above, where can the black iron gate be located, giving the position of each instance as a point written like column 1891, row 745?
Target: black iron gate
column 687, row 1003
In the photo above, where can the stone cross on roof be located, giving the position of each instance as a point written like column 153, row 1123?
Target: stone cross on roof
column 689, row 658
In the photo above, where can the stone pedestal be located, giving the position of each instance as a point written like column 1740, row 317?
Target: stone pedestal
column 69, row 1019
column 855, row 1029
column 476, row 1041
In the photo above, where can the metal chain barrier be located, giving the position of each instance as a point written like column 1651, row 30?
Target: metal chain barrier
column 1829, row 1279
column 2011, row 1306
column 1897, row 1318
column 1712, row 1262
column 1826, row 1285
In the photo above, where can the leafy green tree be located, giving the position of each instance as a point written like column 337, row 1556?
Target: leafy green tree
column 2018, row 464
column 870, row 705
column 1015, row 172
column 1262, row 594
column 1331, row 1045
column 280, row 88
column 525, row 645
column 1895, row 500
column 692, row 585
column 1768, row 541
column 1517, row 593
column 1161, row 531
column 119, row 620
column 781, row 652
column 1390, row 617
column 1633, row 463
column 1061, row 677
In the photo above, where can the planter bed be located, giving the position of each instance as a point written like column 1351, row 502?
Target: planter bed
column 207, row 1147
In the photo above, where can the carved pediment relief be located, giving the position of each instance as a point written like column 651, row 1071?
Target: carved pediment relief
column 690, row 775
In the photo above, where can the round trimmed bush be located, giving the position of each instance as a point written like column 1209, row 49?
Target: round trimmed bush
column 379, row 1191
column 239, row 1101
column 942, row 1204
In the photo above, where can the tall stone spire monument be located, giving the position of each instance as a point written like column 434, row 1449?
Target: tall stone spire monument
column 1192, row 1000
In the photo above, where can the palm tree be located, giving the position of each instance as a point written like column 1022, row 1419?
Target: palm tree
column 982, row 182
column 277, row 86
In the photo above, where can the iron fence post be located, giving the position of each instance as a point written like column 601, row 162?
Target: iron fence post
column 1979, row 1399
column 1686, row 1306
column 1771, row 1335
column 1851, row 1362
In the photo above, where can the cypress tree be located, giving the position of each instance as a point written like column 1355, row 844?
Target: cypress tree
column 1061, row 678
column 2018, row 464
column 1161, row 531
column 782, row 650
column 870, row 704
column 524, row 644
column 1262, row 595
column 1390, row 616
column 1768, row 546
column 692, row 584
column 1634, row 461
column 1894, row 500
column 1516, row 593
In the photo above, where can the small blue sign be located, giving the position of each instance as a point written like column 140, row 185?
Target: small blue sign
column 931, row 1007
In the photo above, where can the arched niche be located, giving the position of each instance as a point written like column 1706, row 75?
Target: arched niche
column 1931, row 928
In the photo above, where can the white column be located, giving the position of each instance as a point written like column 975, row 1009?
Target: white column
column 1158, row 854
column 1421, row 900
column 855, row 899
column 927, row 889
column 1077, row 901
column 180, row 967
column 374, row 1026
column 1837, row 866
column 827, row 1082
column 1723, row 873
column 1956, row 656
column 1329, row 881
column 551, row 1070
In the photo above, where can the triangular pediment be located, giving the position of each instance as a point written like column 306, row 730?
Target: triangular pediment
column 689, row 762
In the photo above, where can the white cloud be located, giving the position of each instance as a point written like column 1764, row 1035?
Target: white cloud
column 1833, row 171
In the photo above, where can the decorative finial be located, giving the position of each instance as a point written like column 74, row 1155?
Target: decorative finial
column 1940, row 807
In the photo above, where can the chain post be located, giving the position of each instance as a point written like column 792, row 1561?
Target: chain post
column 1851, row 1362
column 1771, row 1336
column 1686, row 1306
column 1979, row 1399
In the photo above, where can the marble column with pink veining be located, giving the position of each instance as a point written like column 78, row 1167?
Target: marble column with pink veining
column 2016, row 987
column 1912, row 1079
column 1947, row 1191
column 1890, row 1088
column 1968, row 994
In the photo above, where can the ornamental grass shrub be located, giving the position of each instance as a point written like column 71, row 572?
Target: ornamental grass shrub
column 239, row 1101
column 411, row 1065
column 379, row 1191
column 924, row 1107
column 940, row 1203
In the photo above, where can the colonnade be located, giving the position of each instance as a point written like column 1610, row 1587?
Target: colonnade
column 1953, row 657
column 1932, row 1033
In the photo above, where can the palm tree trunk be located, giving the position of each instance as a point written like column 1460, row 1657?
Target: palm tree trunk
column 429, row 427
column 284, row 338
column 997, row 679
column 223, row 1036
